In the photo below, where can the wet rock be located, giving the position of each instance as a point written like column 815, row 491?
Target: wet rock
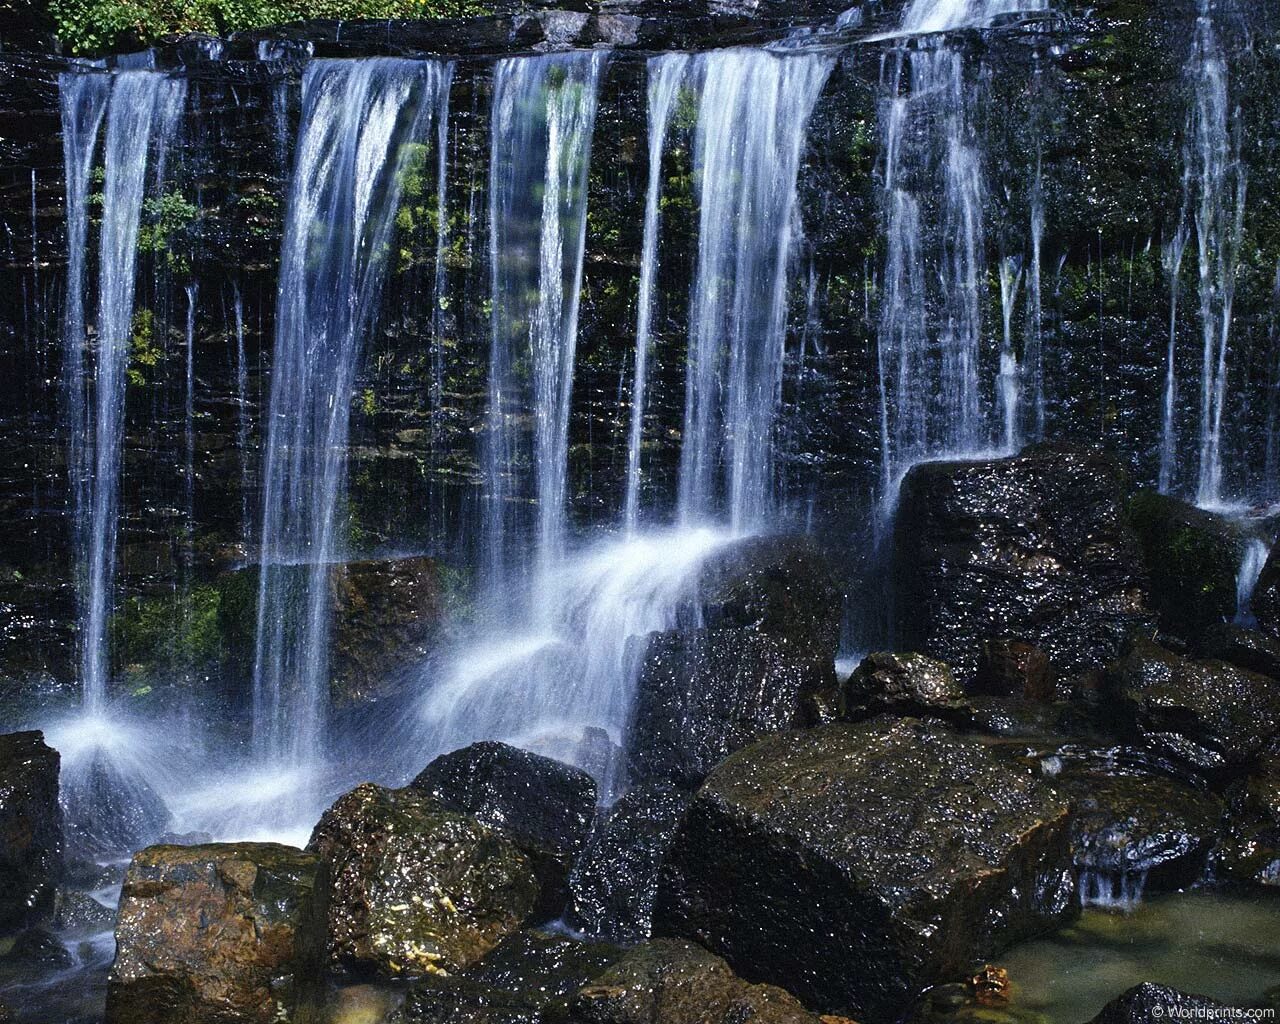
column 1265, row 604
column 904, row 684
column 1139, row 1006
column 1213, row 716
column 703, row 694
column 672, row 982
column 1250, row 847
column 1192, row 560
column 1010, row 668
column 208, row 934
column 909, row 849
column 544, row 967
column 780, row 586
column 35, row 949
column 615, row 882
column 448, row 1000
column 386, row 614
column 1035, row 547
column 1247, row 648
column 417, row 888
column 544, row 806
column 1140, row 832
column 79, row 913
column 30, row 828
column 755, row 648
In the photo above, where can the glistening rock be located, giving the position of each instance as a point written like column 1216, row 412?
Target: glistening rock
column 857, row 864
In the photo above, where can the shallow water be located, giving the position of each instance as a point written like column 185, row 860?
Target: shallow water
column 1215, row 944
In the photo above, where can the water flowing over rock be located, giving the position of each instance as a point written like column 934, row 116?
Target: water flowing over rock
column 211, row 933
column 910, row 849
column 30, row 828
column 546, row 808
column 1035, row 548
column 348, row 170
column 417, row 889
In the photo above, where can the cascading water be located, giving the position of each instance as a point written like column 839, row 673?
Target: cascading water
column 357, row 116
column 140, row 109
column 752, row 120
column 1174, row 253
column 1215, row 185
column 544, row 111
column 575, row 663
column 1254, row 560
column 925, row 17
column 665, row 75
column 1009, row 380
column 1033, row 347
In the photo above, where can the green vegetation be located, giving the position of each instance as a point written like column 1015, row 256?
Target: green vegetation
column 94, row 26
column 166, row 638
column 146, row 352
column 166, row 218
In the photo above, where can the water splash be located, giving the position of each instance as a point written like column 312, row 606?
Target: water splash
column 665, row 75
column 1252, row 562
column 350, row 160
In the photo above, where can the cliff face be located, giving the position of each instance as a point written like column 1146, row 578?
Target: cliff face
column 1095, row 98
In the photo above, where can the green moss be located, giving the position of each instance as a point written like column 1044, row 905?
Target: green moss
column 167, row 637
column 166, row 219
column 144, row 352
column 92, row 26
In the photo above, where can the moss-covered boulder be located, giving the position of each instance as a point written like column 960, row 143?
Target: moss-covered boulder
column 386, row 615
column 1215, row 717
column 1036, row 547
column 672, row 982
column 209, row 934
column 544, row 806
column 857, row 864
column 1192, row 559
column 417, row 889
column 30, row 828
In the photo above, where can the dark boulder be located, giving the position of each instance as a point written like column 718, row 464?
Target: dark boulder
column 1247, row 648
column 904, row 684
column 753, row 653
column 1035, row 547
column 908, row 849
column 1265, row 602
column 1149, row 1002
column 544, row 806
column 526, row 980
column 417, row 888
column 615, row 882
column 208, row 934
column 78, row 913
column 673, row 982
column 386, row 614
column 1250, row 847
column 705, row 693
column 1192, row 559
column 37, row 950
column 30, row 828
column 1010, row 668
column 1213, row 716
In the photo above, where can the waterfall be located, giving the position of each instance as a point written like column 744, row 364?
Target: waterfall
column 665, row 75
column 1252, row 562
column 140, row 109
column 242, row 407
column 1174, row 253
column 1033, row 348
column 357, row 117
column 931, row 16
column 752, row 118
column 1009, row 380
column 439, row 287
column 544, row 111
column 1214, row 184
column 934, row 190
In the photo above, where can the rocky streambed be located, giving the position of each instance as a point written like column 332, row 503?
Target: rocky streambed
column 1065, row 786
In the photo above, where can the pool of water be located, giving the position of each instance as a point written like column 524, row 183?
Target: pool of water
column 1211, row 943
